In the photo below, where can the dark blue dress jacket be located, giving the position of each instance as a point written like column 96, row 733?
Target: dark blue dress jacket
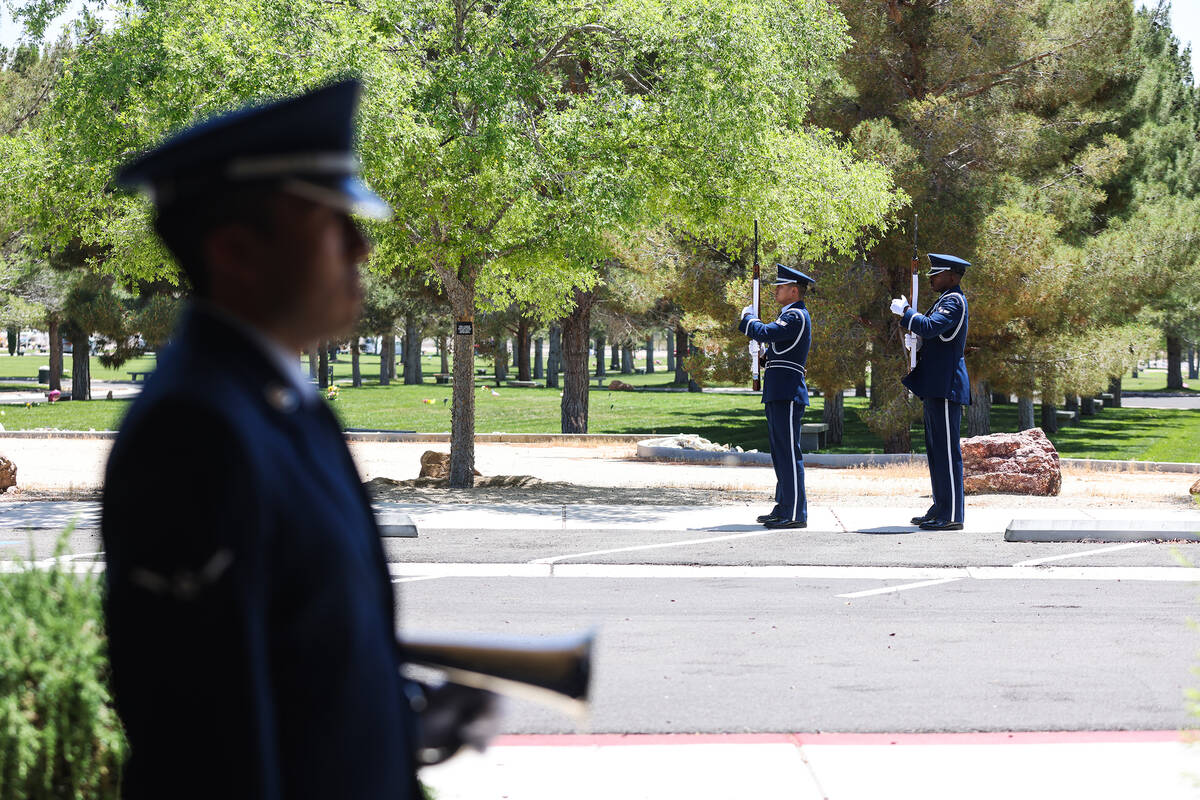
column 941, row 370
column 249, row 607
column 789, row 338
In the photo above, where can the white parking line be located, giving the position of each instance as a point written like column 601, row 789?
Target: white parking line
column 986, row 573
column 902, row 588
column 680, row 543
column 1035, row 561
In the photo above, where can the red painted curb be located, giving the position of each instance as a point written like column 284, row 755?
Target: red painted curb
column 845, row 739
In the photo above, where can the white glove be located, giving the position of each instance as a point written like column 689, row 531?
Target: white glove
column 899, row 304
column 748, row 310
column 913, row 342
column 755, row 348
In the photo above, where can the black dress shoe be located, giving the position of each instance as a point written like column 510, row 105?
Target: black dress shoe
column 765, row 518
column 941, row 525
column 786, row 523
column 922, row 520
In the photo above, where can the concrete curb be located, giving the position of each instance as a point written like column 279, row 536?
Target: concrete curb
column 844, row 460
column 1097, row 530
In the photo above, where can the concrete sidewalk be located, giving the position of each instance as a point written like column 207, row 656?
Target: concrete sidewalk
column 1119, row 765
column 840, row 518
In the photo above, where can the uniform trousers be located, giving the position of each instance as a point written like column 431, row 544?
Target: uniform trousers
column 783, row 428
column 944, row 454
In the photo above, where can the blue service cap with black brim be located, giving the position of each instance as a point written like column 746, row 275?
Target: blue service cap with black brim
column 786, row 274
column 302, row 145
column 939, row 262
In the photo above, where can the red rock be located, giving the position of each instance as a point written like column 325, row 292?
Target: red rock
column 1011, row 463
column 436, row 465
column 8, row 474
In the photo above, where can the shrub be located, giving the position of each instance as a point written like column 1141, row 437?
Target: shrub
column 59, row 733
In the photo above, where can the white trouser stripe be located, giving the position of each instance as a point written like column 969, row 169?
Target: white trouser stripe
column 950, row 468
column 792, row 457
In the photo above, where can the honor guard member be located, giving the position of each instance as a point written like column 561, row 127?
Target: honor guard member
column 249, row 607
column 940, row 380
column 784, row 346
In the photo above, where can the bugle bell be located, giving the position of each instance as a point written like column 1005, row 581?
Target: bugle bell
column 553, row 671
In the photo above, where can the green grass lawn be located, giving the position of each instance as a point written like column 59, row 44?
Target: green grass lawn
column 1154, row 380
column 1120, row 433
column 26, row 367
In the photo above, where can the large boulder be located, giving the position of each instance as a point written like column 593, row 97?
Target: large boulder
column 1011, row 463
column 436, row 465
column 8, row 474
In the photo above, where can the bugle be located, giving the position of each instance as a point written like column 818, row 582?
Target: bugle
column 552, row 671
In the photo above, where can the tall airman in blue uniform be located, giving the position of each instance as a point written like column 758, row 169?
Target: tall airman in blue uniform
column 249, row 607
column 784, row 346
column 940, row 380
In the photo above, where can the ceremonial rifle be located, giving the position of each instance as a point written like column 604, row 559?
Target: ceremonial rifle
column 916, row 267
column 756, row 384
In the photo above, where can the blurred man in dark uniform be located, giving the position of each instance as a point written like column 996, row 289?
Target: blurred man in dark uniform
column 940, row 380
column 249, row 605
column 784, row 345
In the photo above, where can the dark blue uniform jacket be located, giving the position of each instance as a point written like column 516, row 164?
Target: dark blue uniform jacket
column 941, row 370
column 789, row 338
column 249, row 606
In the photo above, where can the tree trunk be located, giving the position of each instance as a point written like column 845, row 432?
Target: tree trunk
column 649, row 354
column 627, row 359
column 671, row 351
column 355, row 364
column 834, row 415
column 681, row 351
column 979, row 413
column 1024, row 413
column 1049, row 417
column 999, row 399
column 1174, row 362
column 501, row 361
column 462, row 411
column 554, row 357
column 615, row 349
column 323, row 365
column 1072, row 405
column 81, row 367
column 412, row 350
column 1193, row 367
column 539, row 373
column 444, row 354
column 575, row 328
column 1114, row 388
column 860, row 388
column 312, row 362
column 601, row 354
column 387, row 344
column 56, row 355
column 524, row 369
column 14, row 337
column 1087, row 405
column 333, row 352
